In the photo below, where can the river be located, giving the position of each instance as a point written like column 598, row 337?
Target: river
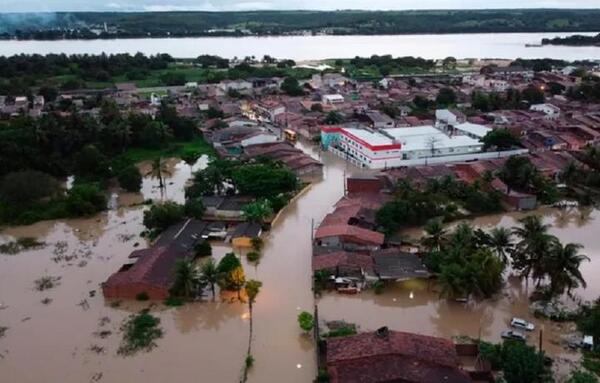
column 477, row 45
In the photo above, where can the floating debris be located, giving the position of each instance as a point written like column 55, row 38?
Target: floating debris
column 3, row 330
column 46, row 301
column 84, row 304
column 46, row 282
column 97, row 376
column 97, row 349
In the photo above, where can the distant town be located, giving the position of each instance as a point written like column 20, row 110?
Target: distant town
column 420, row 144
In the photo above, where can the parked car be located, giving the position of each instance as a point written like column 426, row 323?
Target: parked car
column 522, row 324
column 513, row 334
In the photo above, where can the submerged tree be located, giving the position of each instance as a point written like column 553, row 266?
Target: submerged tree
column 186, row 278
column 159, row 170
column 209, row 274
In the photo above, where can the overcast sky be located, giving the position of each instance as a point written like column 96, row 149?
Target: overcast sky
column 240, row 5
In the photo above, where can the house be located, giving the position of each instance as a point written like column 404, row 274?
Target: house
column 151, row 269
column 125, row 88
column 224, row 207
column 392, row 356
column 393, row 264
column 241, row 86
column 244, row 233
column 345, row 236
column 344, row 264
column 379, row 120
column 551, row 112
column 332, row 99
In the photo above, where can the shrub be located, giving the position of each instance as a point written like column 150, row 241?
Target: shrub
column 130, row 179
column 174, row 302
column 203, row 249
column 27, row 186
column 253, row 256
column 306, row 321
column 194, row 208
column 140, row 332
column 46, row 282
column 85, row 199
column 161, row 216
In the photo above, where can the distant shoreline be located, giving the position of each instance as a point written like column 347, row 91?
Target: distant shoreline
column 238, row 37
column 121, row 25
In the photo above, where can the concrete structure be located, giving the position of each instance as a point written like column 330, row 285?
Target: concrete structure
column 552, row 112
column 332, row 99
column 386, row 148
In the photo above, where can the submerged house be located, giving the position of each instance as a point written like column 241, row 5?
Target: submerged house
column 344, row 236
column 392, row 356
column 151, row 271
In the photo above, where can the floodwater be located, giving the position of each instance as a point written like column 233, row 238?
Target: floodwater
column 477, row 45
column 206, row 341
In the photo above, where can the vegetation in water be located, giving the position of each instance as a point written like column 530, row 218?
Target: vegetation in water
column 306, row 321
column 140, row 332
column 518, row 361
column 21, row 244
column 46, row 282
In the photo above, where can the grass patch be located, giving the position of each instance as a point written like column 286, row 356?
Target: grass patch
column 198, row 146
column 21, row 244
column 46, row 283
column 140, row 332
column 346, row 330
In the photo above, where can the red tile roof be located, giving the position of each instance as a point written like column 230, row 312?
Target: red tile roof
column 393, row 357
column 342, row 259
column 153, row 267
column 355, row 232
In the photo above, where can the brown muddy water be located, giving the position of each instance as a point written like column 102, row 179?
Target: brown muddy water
column 206, row 341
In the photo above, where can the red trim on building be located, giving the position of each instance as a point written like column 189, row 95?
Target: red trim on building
column 375, row 148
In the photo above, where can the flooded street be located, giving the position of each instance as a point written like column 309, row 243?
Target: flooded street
column 206, row 341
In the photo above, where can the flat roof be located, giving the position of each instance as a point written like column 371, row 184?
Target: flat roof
column 419, row 138
column 475, row 129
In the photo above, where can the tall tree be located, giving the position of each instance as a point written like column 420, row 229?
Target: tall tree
column 186, row 278
column 501, row 243
column 159, row 170
column 209, row 274
column 562, row 265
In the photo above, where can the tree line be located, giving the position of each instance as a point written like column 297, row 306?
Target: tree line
column 348, row 22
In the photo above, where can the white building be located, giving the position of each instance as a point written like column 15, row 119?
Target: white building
column 395, row 147
column 241, row 86
column 332, row 99
column 552, row 112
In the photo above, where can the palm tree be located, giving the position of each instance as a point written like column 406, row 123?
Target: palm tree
column 452, row 282
column 534, row 244
column 501, row 243
column 436, row 234
column 210, row 275
column 186, row 278
column 252, row 288
column 159, row 169
column 563, row 268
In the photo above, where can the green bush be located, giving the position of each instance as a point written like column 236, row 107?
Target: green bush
column 203, row 249
column 140, row 332
column 253, row 256
column 85, row 199
column 159, row 217
column 130, row 178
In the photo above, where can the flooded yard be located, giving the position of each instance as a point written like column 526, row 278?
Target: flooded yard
column 69, row 340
